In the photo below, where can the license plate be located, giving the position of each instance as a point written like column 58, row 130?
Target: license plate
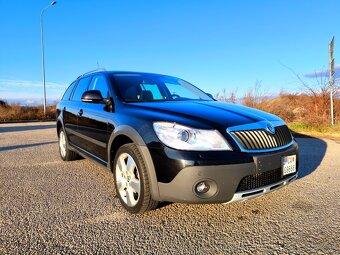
column 288, row 164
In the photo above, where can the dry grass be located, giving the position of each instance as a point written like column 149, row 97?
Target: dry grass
column 307, row 113
column 313, row 111
column 16, row 112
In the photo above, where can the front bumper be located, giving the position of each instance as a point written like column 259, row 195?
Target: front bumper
column 253, row 193
column 224, row 180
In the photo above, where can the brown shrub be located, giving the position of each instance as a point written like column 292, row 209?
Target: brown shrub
column 311, row 110
column 16, row 112
column 311, row 107
column 255, row 97
column 3, row 103
column 227, row 97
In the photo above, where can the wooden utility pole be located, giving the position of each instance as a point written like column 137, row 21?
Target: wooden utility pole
column 331, row 79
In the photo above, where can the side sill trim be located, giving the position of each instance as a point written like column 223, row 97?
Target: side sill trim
column 96, row 142
column 88, row 155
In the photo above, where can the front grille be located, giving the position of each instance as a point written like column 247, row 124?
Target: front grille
column 261, row 179
column 260, row 139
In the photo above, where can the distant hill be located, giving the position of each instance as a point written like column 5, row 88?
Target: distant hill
column 29, row 101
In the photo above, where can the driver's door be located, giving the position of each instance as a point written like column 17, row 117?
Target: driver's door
column 93, row 122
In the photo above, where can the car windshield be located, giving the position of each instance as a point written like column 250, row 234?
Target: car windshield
column 151, row 87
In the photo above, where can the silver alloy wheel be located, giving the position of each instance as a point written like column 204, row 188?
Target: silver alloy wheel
column 62, row 144
column 127, row 179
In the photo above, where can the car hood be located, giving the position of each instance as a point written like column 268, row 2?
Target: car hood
column 203, row 114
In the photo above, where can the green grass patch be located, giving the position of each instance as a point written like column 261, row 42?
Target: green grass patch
column 326, row 131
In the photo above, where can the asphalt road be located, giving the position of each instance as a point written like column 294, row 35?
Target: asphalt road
column 50, row 206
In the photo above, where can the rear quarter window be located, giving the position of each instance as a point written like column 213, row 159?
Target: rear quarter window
column 68, row 91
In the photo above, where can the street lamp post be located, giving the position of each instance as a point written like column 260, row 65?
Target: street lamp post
column 42, row 50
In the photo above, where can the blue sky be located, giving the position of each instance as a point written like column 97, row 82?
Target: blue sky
column 213, row 44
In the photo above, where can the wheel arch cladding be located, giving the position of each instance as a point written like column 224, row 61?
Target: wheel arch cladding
column 126, row 134
column 59, row 126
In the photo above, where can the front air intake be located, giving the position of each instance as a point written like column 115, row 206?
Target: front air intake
column 261, row 179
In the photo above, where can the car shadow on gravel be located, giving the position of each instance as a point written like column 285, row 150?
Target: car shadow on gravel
column 22, row 146
column 24, row 128
column 312, row 152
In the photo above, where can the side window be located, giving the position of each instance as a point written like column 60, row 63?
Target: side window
column 81, row 88
column 68, row 92
column 99, row 83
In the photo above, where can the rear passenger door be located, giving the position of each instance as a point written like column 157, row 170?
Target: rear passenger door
column 93, row 123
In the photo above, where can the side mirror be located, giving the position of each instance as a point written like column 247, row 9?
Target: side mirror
column 92, row 96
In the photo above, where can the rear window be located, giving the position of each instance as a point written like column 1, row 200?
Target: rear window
column 68, row 92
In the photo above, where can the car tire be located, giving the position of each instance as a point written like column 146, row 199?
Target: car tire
column 132, row 181
column 65, row 153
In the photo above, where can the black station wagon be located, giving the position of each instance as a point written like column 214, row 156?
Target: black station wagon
column 166, row 140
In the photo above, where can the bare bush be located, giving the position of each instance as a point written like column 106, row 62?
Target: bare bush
column 224, row 96
column 315, row 98
column 255, row 97
column 16, row 112
column 310, row 107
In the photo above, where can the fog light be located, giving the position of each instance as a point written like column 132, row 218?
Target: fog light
column 202, row 187
column 205, row 188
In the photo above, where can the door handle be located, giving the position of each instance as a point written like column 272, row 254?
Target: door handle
column 80, row 113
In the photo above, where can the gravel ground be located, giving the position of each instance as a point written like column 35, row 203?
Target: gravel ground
column 50, row 206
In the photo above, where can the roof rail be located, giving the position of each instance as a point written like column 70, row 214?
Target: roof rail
column 93, row 71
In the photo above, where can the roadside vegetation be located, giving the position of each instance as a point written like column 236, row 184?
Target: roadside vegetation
column 15, row 112
column 307, row 112
column 325, row 131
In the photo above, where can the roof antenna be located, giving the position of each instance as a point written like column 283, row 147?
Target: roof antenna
column 98, row 64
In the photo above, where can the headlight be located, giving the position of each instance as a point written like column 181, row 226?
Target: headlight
column 186, row 138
